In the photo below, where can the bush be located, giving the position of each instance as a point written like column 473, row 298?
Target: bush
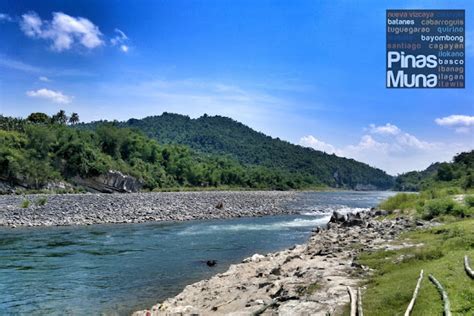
column 41, row 201
column 25, row 203
column 469, row 200
column 401, row 201
column 443, row 206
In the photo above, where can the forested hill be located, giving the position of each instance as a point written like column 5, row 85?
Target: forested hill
column 457, row 173
column 225, row 136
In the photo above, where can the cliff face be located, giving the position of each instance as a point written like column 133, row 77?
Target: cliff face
column 111, row 182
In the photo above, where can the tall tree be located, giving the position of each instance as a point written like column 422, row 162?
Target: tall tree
column 39, row 118
column 74, row 119
column 60, row 117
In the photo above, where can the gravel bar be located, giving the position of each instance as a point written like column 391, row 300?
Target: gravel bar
column 87, row 209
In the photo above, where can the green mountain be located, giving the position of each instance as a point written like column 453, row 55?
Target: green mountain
column 40, row 151
column 458, row 173
column 226, row 137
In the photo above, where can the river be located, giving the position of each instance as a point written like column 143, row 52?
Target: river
column 119, row 268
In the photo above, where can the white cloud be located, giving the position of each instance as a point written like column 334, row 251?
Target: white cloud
column 387, row 129
column 392, row 149
column 406, row 140
column 63, row 30
column 313, row 142
column 119, row 40
column 5, row 17
column 124, row 48
column 44, row 79
column 55, row 96
column 456, row 120
column 31, row 24
column 462, row 124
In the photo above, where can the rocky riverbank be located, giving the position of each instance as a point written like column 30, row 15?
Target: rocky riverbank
column 86, row 209
column 309, row 279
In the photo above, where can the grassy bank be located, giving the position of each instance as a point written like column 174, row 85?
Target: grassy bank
column 439, row 251
column 444, row 204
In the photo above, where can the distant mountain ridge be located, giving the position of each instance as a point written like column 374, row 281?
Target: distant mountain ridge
column 225, row 136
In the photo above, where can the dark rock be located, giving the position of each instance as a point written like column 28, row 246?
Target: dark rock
column 211, row 263
column 275, row 271
column 353, row 220
column 337, row 217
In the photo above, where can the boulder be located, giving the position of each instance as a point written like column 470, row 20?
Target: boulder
column 337, row 217
column 353, row 220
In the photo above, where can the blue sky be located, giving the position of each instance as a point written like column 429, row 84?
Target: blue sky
column 310, row 72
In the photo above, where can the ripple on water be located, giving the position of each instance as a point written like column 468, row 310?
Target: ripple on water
column 8, row 241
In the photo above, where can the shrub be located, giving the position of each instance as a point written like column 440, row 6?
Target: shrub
column 469, row 200
column 443, row 206
column 25, row 203
column 401, row 201
column 41, row 201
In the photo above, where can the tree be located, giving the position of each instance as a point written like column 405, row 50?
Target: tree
column 38, row 118
column 74, row 119
column 445, row 172
column 60, row 117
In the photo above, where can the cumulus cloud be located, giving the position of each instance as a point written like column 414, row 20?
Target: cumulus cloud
column 119, row 40
column 55, row 96
column 313, row 142
column 63, row 30
column 387, row 129
column 456, row 120
column 391, row 149
column 461, row 123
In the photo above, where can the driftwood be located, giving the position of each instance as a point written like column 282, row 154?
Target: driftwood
column 353, row 299
column 468, row 269
column 265, row 307
column 415, row 294
column 444, row 295
column 360, row 312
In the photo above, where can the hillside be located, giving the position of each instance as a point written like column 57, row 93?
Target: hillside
column 224, row 136
column 457, row 173
column 39, row 152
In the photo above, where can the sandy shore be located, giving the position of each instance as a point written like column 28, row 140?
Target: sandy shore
column 86, row 209
column 309, row 279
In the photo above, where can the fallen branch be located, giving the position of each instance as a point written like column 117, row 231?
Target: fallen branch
column 360, row 312
column 264, row 308
column 353, row 299
column 415, row 294
column 444, row 295
column 468, row 268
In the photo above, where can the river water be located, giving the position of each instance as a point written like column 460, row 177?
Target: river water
column 117, row 269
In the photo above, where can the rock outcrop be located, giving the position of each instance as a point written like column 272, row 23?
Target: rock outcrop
column 111, row 182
